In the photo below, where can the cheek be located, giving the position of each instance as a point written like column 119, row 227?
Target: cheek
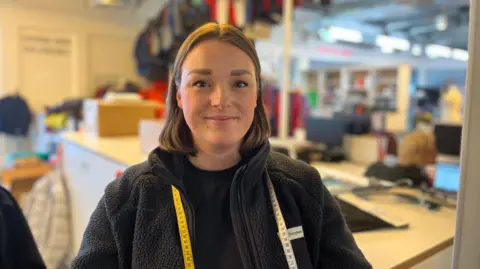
column 248, row 104
column 189, row 108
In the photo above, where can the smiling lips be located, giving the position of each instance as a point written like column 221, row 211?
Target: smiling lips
column 220, row 118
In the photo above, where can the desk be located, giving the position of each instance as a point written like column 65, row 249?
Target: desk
column 429, row 233
column 91, row 163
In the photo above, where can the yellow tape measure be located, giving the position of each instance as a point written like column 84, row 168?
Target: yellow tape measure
column 183, row 229
column 185, row 233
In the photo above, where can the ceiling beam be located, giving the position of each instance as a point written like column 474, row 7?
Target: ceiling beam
column 337, row 9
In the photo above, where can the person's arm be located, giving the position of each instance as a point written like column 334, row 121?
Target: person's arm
column 337, row 245
column 18, row 248
column 98, row 249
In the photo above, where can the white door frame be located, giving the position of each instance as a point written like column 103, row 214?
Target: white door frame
column 467, row 238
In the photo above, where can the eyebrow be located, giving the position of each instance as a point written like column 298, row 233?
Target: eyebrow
column 200, row 71
column 239, row 72
column 236, row 72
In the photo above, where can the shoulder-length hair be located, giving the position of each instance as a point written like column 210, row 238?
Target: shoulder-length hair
column 176, row 135
column 417, row 148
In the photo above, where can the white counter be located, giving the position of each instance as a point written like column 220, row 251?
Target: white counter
column 92, row 163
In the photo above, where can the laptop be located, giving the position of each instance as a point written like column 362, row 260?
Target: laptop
column 447, row 177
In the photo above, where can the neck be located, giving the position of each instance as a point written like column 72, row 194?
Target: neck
column 216, row 160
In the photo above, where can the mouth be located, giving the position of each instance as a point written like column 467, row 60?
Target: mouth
column 220, row 118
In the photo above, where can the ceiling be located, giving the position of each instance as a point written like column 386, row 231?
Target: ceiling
column 411, row 19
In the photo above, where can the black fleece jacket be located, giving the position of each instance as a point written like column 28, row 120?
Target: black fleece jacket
column 134, row 225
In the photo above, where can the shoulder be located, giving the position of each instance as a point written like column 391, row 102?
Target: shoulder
column 6, row 198
column 376, row 167
column 283, row 167
column 124, row 190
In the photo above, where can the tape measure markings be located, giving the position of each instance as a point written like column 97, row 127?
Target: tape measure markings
column 282, row 228
column 183, row 230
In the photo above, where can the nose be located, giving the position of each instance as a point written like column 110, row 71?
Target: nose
column 219, row 96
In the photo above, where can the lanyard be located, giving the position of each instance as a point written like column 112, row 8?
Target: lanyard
column 185, row 234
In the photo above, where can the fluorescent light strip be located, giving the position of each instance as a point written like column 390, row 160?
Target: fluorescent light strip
column 344, row 34
column 461, row 55
column 389, row 42
column 438, row 51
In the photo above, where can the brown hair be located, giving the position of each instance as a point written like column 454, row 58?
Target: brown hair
column 417, row 148
column 176, row 135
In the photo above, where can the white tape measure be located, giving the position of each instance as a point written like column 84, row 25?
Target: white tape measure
column 282, row 228
column 185, row 234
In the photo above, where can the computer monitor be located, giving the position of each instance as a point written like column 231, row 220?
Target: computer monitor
column 447, row 177
column 429, row 96
column 448, row 139
column 356, row 124
column 326, row 131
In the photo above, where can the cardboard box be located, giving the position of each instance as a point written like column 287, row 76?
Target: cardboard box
column 20, row 180
column 362, row 149
column 116, row 118
column 149, row 133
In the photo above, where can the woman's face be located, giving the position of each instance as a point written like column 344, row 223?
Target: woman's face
column 218, row 94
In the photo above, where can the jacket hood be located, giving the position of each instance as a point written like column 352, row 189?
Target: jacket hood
column 170, row 165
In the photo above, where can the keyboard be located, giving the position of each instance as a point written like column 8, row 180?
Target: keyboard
column 360, row 221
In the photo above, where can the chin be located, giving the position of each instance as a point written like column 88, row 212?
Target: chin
column 224, row 140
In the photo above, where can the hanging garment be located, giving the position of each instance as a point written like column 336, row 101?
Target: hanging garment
column 231, row 13
column 212, row 4
column 193, row 16
column 174, row 19
column 48, row 213
column 15, row 116
column 142, row 53
column 249, row 11
column 197, row 3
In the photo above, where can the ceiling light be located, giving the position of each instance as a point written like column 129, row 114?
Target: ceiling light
column 392, row 42
column 344, row 34
column 417, row 50
column 461, row 55
column 441, row 22
column 387, row 49
column 438, row 51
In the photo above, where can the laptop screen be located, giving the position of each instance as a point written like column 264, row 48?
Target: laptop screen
column 447, row 177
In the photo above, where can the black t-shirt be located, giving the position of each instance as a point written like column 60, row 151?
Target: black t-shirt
column 209, row 191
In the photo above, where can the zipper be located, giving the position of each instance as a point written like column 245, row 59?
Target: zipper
column 244, row 239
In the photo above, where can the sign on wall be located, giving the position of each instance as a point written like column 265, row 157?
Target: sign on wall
column 46, row 66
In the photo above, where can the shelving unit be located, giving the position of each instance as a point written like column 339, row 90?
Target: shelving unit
column 385, row 88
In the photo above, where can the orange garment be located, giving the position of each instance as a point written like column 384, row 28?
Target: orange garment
column 158, row 93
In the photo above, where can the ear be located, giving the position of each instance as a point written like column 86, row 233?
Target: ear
column 179, row 99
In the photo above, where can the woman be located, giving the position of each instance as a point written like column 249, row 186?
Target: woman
column 207, row 196
column 416, row 151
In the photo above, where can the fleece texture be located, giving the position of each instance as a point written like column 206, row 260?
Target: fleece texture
column 134, row 225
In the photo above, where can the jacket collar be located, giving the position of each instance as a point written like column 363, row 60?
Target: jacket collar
column 170, row 165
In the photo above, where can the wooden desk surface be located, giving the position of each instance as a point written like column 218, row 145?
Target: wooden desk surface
column 429, row 232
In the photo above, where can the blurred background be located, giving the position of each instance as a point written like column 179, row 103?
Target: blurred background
column 369, row 92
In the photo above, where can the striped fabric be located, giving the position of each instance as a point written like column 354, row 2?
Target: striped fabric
column 47, row 209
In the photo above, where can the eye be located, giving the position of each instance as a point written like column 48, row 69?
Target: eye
column 240, row 84
column 200, row 84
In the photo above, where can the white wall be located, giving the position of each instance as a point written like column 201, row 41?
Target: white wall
column 98, row 47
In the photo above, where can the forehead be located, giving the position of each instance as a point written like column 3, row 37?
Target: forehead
column 218, row 56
